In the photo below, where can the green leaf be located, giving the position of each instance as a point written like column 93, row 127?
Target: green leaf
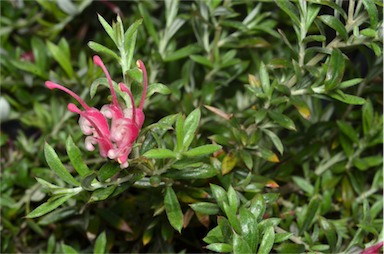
column 351, row 82
column 368, row 162
column 304, row 184
column 282, row 237
column 330, row 233
column 182, row 53
column 335, row 70
column 202, row 150
column 348, row 130
column 68, row 249
column 205, row 208
column 179, row 132
column 30, row 67
column 275, row 140
column 267, row 241
column 40, row 53
column 347, row 98
column 76, row 158
column 130, row 40
column 102, row 193
column 373, row 13
column 203, row 172
column 86, row 181
column 190, row 126
column 249, row 229
column 157, row 88
column 289, row 9
column 50, row 205
column 214, row 236
column 148, row 23
column 258, row 207
column 367, row 116
column 55, row 164
column 100, row 244
column 282, row 120
column 264, row 79
column 336, row 25
column 233, row 199
column 102, row 49
column 160, row 153
column 240, row 245
column 108, row 170
column 220, row 247
column 310, row 214
column 107, row 28
column 173, row 210
column 232, row 218
column 220, row 195
column 61, row 57
column 202, row 60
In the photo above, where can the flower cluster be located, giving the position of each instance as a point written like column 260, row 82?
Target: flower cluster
column 113, row 127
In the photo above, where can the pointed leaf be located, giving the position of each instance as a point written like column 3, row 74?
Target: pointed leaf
column 55, row 164
column 202, row 150
column 100, row 244
column 102, row 49
column 335, row 70
column 160, row 153
column 267, row 241
column 190, row 126
column 50, row 205
column 335, row 24
column 173, row 210
column 107, row 28
column 61, row 57
column 76, row 158
column 282, row 120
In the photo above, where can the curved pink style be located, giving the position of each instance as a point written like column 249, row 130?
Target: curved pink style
column 115, row 139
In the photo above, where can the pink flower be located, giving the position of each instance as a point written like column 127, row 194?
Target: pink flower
column 375, row 249
column 116, row 139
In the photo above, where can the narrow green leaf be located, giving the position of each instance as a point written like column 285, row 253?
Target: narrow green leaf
column 310, row 214
column 157, row 88
column 347, row 98
column 240, row 245
column 147, row 18
column 351, row 82
column 232, row 218
column 275, row 140
column 282, row 120
column 68, row 249
column 258, row 207
column 107, row 28
column 40, row 53
column 172, row 208
column 367, row 116
column 282, row 237
column 50, row 205
column 30, row 67
column 220, row 195
column 102, row 49
column 205, row 208
column 289, row 9
column 129, row 34
column 368, row 162
column 76, row 158
column 203, row 172
column 202, row 150
column 61, row 57
column 336, row 25
column 267, row 241
column 102, row 193
column 335, row 70
column 249, row 229
column 220, row 247
column 190, row 126
column 179, row 132
column 233, row 199
column 264, row 79
column 160, row 153
column 55, row 164
column 182, row 53
column 304, row 184
column 201, row 60
column 348, row 130
column 100, row 244
column 108, row 170
column 373, row 13
column 330, row 233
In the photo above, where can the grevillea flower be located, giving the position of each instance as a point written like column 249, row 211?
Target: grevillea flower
column 116, row 139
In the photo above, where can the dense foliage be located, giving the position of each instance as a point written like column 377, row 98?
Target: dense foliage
column 263, row 126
